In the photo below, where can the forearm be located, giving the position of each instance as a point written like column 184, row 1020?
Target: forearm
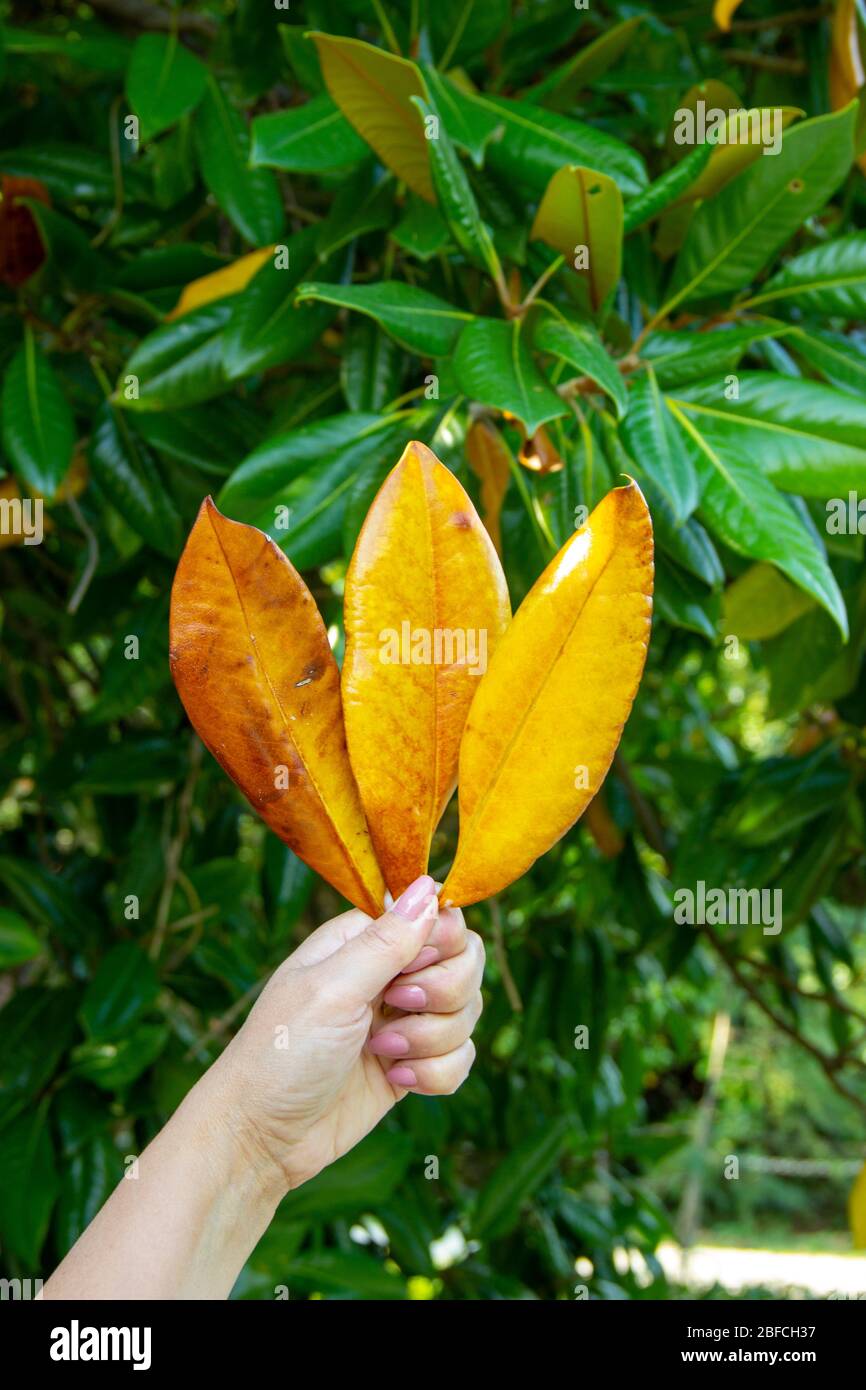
column 185, row 1225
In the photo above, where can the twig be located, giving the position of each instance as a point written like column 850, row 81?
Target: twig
column 146, row 16
column 92, row 555
column 175, row 849
column 766, row 61
column 647, row 819
column 218, row 1026
column 501, row 955
column 776, row 21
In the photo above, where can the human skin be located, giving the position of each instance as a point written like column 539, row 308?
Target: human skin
column 363, row 1012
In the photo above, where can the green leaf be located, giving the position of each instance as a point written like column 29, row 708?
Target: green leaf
column 494, row 365
column 422, row 230
column 462, row 28
column 580, row 346
column 371, row 368
column 98, row 49
column 129, row 478
column 306, row 139
column 141, row 764
column 88, row 1177
column 456, row 198
column 284, row 457
column 317, row 502
column 536, row 143
column 122, row 990
column 343, row 1272
column 249, row 197
column 359, row 206
column 114, row 1065
column 828, row 279
column 36, row 1027
column 267, row 326
column 746, row 512
column 807, row 437
column 180, row 363
column 667, row 189
column 164, row 82
column 357, row 1182
column 679, row 356
column 471, row 128
column 838, row 359
column 18, row 942
column 420, row 321
column 652, row 436
column 561, row 88
column 208, row 438
column 38, row 430
column 734, row 234
column 129, row 680
column 28, row 1186
column 68, row 248
column 682, row 601
column 516, row 1178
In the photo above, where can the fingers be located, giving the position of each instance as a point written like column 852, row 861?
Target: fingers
column 425, row 1035
column 442, row 988
column 364, row 965
column 448, row 938
column 434, row 1076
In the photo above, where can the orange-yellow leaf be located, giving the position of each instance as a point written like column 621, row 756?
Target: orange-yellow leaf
column 723, row 13
column 846, row 75
column 547, row 718
column 374, row 91
column 231, row 279
column 252, row 665
column 539, row 454
column 425, row 605
column 488, row 459
column 603, row 828
column 857, row 1210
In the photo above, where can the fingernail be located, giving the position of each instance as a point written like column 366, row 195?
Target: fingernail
column 389, row 1045
column 425, row 956
column 402, row 1076
column 406, row 997
column 412, row 902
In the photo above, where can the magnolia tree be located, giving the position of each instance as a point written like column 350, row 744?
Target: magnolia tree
column 345, row 333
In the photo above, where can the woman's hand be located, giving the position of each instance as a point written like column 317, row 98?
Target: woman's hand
column 364, row 1011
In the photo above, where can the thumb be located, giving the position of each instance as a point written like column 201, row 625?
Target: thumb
column 367, row 964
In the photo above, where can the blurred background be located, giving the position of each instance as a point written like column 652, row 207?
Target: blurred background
column 705, row 1135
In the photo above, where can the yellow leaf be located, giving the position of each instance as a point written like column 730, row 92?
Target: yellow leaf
column 425, row 605
column 580, row 215
column 740, row 145
column 762, row 603
column 488, row 459
column 603, row 828
column 857, row 1210
column 250, row 658
column 547, row 718
column 846, row 76
column 231, row 279
column 723, row 12
column 715, row 95
column 374, row 91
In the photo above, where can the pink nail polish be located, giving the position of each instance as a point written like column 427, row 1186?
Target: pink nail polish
column 426, row 956
column 406, row 997
column 388, row 1045
column 414, row 899
column 402, row 1076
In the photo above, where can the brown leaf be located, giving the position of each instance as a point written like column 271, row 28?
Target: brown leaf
column 252, row 665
